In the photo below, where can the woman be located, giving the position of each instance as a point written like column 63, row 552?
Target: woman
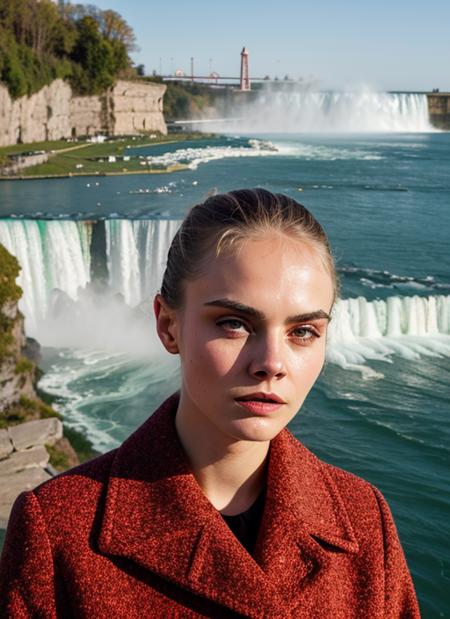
column 212, row 508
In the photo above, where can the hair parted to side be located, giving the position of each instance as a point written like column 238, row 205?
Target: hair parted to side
column 228, row 219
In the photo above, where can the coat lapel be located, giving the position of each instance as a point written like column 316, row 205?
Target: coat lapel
column 303, row 508
column 157, row 516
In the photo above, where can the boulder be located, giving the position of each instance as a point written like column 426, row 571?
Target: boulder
column 38, row 432
column 21, row 460
column 17, row 483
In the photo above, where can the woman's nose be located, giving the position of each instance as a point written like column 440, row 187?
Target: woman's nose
column 267, row 360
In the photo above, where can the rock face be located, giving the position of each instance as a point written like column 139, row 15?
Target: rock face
column 439, row 109
column 136, row 108
column 43, row 116
column 14, row 384
column 87, row 117
column 54, row 113
column 24, row 460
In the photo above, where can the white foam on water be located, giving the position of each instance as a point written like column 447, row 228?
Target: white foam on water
column 84, row 378
column 318, row 152
column 193, row 157
column 64, row 380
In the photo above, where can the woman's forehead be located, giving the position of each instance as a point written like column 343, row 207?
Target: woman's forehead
column 261, row 272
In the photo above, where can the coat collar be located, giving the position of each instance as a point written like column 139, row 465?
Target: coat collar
column 157, row 516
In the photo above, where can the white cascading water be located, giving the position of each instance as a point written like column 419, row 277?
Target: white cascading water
column 123, row 260
column 55, row 254
column 291, row 109
column 137, row 252
column 407, row 326
column 52, row 255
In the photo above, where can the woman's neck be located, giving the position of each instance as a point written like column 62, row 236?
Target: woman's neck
column 230, row 472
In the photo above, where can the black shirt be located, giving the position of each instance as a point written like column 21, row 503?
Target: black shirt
column 246, row 524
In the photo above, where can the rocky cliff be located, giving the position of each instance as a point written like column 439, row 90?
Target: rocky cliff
column 32, row 444
column 17, row 373
column 439, row 109
column 43, row 116
column 54, row 112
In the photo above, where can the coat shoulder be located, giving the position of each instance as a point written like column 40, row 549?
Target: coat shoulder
column 73, row 496
column 363, row 502
column 343, row 479
column 351, row 486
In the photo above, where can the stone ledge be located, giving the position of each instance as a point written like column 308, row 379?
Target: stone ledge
column 14, row 485
column 38, row 432
column 21, row 460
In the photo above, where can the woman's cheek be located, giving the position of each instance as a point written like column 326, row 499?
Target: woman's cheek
column 316, row 362
column 308, row 362
column 221, row 356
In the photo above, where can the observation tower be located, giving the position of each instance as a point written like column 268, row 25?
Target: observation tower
column 245, row 79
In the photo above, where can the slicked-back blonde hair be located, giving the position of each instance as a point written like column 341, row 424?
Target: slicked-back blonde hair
column 226, row 220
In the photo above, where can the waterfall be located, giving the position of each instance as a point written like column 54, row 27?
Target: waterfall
column 123, row 260
column 52, row 255
column 55, row 255
column 408, row 326
column 397, row 316
column 291, row 109
column 137, row 252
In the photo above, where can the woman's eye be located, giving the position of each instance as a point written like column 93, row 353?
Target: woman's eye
column 233, row 325
column 305, row 334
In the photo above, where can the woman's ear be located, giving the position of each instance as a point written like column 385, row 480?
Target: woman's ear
column 166, row 324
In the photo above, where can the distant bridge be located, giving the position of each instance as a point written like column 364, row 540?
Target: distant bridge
column 211, row 78
column 205, row 120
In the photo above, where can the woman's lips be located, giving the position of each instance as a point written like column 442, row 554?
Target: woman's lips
column 259, row 407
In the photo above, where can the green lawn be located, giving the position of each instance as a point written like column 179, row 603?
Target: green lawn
column 75, row 153
column 16, row 149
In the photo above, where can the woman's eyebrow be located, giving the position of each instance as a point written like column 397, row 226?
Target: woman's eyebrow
column 258, row 315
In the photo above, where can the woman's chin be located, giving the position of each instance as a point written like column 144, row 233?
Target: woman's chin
column 255, row 429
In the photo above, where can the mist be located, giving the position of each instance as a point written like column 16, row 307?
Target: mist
column 287, row 107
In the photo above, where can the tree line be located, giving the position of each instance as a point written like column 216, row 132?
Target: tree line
column 41, row 41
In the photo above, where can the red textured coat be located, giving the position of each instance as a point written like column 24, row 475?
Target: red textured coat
column 130, row 534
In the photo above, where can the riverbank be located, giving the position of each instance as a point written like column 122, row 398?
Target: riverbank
column 169, row 170
column 87, row 158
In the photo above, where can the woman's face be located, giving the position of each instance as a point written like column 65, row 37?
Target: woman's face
column 253, row 326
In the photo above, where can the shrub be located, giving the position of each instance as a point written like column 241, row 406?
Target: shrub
column 24, row 366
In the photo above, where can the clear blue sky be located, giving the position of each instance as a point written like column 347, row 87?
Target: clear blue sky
column 396, row 45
